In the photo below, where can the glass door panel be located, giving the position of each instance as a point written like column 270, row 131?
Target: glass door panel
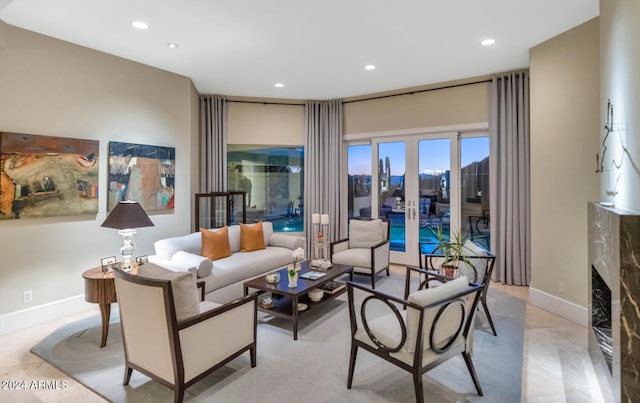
column 474, row 189
column 359, row 180
column 434, row 193
column 391, row 197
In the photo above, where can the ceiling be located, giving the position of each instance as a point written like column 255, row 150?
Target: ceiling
column 317, row 49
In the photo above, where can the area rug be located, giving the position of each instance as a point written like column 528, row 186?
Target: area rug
column 311, row 369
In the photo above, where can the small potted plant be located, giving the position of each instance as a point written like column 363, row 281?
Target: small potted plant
column 453, row 250
column 292, row 271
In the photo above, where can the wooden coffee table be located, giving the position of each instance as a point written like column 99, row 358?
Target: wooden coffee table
column 286, row 300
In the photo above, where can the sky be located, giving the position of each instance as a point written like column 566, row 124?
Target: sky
column 433, row 155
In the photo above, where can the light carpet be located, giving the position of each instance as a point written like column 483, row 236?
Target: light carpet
column 311, row 369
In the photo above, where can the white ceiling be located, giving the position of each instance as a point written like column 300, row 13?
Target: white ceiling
column 318, row 49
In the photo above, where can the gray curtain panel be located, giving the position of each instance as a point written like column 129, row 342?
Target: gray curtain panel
column 322, row 162
column 213, row 144
column 509, row 125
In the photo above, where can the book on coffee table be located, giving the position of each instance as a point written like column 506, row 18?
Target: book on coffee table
column 331, row 287
column 312, row 275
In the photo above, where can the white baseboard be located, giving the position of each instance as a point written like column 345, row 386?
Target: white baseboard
column 25, row 318
column 558, row 306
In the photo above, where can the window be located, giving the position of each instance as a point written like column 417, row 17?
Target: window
column 273, row 178
column 359, row 180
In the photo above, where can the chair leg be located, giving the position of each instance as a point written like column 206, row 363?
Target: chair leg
column 417, row 385
column 179, row 395
column 486, row 311
column 252, row 352
column 352, row 364
column 127, row 376
column 472, row 372
column 388, row 271
column 373, row 280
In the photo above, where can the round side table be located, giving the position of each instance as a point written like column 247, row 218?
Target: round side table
column 100, row 288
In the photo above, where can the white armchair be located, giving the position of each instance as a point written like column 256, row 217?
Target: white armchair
column 433, row 329
column 366, row 249
column 173, row 338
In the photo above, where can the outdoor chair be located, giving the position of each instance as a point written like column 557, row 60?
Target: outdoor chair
column 172, row 337
column 366, row 249
column 483, row 262
column 433, row 329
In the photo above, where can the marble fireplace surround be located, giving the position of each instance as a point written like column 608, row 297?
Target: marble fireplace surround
column 614, row 300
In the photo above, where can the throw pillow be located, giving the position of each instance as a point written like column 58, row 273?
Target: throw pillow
column 251, row 237
column 215, row 244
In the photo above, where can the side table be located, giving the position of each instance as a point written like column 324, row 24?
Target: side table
column 100, row 288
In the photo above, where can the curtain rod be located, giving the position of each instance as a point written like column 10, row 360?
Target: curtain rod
column 366, row 99
column 418, row 91
column 264, row 102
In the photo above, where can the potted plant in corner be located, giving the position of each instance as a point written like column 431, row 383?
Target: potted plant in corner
column 453, row 250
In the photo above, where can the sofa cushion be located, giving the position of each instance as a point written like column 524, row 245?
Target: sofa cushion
column 183, row 287
column 430, row 296
column 251, row 237
column 365, row 233
column 201, row 264
column 242, row 266
column 215, row 244
column 192, row 243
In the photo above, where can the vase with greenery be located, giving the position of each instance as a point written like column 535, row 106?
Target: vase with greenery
column 292, row 272
column 453, row 251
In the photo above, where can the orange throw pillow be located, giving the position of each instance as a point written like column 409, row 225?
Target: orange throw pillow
column 251, row 237
column 215, row 244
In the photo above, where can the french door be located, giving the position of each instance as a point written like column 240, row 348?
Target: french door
column 425, row 182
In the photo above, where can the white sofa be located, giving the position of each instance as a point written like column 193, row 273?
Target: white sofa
column 224, row 277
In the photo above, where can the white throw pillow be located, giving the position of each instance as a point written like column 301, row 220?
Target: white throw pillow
column 183, row 286
column 365, row 233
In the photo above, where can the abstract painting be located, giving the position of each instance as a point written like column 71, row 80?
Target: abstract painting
column 44, row 176
column 141, row 173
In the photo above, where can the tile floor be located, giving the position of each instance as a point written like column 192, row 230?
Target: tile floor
column 556, row 362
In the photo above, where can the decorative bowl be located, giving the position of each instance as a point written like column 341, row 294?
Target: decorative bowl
column 273, row 278
column 316, row 294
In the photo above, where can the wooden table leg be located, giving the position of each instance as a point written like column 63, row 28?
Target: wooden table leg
column 294, row 310
column 105, row 313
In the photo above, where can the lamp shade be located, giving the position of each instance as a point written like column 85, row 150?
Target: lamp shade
column 127, row 215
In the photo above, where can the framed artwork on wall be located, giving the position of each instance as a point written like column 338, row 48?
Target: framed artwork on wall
column 141, row 173
column 45, row 176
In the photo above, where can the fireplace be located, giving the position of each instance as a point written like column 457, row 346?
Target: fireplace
column 614, row 283
column 601, row 315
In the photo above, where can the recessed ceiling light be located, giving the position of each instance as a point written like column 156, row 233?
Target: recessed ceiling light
column 140, row 25
column 279, row 85
column 369, row 67
column 488, row 42
column 172, row 45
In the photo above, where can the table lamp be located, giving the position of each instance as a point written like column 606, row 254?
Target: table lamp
column 126, row 216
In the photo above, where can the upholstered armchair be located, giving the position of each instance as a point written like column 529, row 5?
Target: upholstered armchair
column 366, row 249
column 172, row 337
column 433, row 329
column 480, row 271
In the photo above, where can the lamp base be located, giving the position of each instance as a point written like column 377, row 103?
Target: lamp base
column 128, row 247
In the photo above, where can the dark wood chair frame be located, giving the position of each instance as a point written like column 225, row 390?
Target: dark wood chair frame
column 428, row 267
column 373, row 250
column 180, row 386
column 383, row 351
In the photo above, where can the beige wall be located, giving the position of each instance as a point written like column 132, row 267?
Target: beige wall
column 51, row 87
column 440, row 107
column 620, row 64
column 565, row 126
